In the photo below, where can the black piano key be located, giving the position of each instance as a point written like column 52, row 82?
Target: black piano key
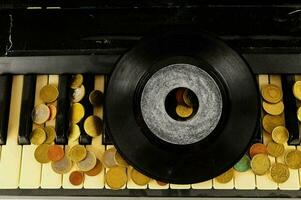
column 258, row 134
column 290, row 109
column 5, row 92
column 27, row 104
column 63, row 107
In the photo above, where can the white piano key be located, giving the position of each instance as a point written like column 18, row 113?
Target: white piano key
column 244, row 180
column 180, row 186
column 155, row 186
column 223, row 186
column 131, row 184
column 202, row 185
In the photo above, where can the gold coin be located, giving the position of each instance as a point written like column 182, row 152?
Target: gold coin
column 77, row 112
column 74, row 132
column 93, row 126
column 40, row 114
column 280, row 135
column 119, row 160
column 184, row 111
column 62, row 166
column 108, row 158
column 77, row 153
column 226, row 176
column 38, row 136
column 279, row 172
column 293, row 159
column 297, row 90
column 88, row 162
column 273, row 108
column 41, row 152
column 77, row 81
column 96, row 98
column 271, row 93
column 78, row 94
column 53, row 112
column 138, row 178
column 269, row 122
column 50, row 134
column 275, row 149
column 116, row 177
column 260, row 164
column 49, row 93
column 187, row 98
column 299, row 114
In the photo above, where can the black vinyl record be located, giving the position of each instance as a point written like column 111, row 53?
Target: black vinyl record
column 142, row 76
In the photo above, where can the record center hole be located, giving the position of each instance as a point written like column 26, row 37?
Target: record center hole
column 181, row 104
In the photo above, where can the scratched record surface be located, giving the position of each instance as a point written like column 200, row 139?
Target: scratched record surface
column 163, row 146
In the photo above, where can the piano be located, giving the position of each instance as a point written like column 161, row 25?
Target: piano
column 45, row 42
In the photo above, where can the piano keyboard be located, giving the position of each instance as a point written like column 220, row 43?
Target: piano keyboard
column 20, row 170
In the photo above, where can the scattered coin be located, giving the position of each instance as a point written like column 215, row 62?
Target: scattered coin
column 38, row 136
column 161, row 183
column 96, row 170
column 187, row 97
column 279, row 172
column 62, row 166
column 184, row 111
column 226, row 176
column 76, row 178
column 50, row 134
column 179, row 96
column 55, row 153
column 74, row 132
column 40, row 114
column 293, row 159
column 119, row 160
column 77, row 112
column 49, row 93
column 260, row 164
column 77, row 153
column 271, row 93
column 243, row 165
column 77, row 81
column 96, row 98
column 297, row 90
column 93, row 126
column 138, row 178
column 116, row 177
column 41, row 152
column 78, row 94
column 88, row 162
column 257, row 148
column 269, row 122
column 275, row 149
column 273, row 108
column 280, row 135
column 108, row 158
column 299, row 114
column 53, row 111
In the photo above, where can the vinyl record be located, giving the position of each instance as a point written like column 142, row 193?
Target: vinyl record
column 169, row 148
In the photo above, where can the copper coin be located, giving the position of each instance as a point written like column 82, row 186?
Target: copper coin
column 55, row 153
column 76, row 178
column 53, row 111
column 96, row 170
column 257, row 148
column 161, row 183
column 179, row 96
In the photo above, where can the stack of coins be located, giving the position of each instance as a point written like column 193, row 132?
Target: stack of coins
column 297, row 94
column 186, row 103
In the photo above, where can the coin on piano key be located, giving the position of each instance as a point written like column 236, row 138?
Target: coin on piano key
column 74, row 132
column 53, row 111
column 96, row 170
column 299, row 114
column 49, row 93
column 271, row 93
column 275, row 149
column 297, row 90
column 40, row 114
column 116, row 177
column 78, row 94
column 257, row 148
column 138, row 178
column 161, row 183
column 50, row 134
column 108, row 158
column 260, row 164
column 76, row 178
column 273, row 108
column 77, row 153
column 55, row 153
column 243, row 164
column 77, row 112
column 225, row 177
column 96, row 98
column 269, row 122
column 93, row 126
column 41, row 152
column 279, row 172
column 119, row 160
column 184, row 111
column 62, row 166
column 280, row 134
column 88, row 162
column 293, row 159
column 77, row 81
column 179, row 96
column 38, row 136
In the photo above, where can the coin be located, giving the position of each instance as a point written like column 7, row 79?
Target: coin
column 62, row 166
column 78, row 94
column 280, row 135
column 297, row 90
column 116, row 177
column 119, row 160
column 275, row 149
column 257, row 148
column 38, row 136
column 88, row 162
column 93, row 126
column 77, row 112
column 260, row 164
column 187, row 97
column 269, row 122
column 96, row 170
column 225, row 177
column 293, row 159
column 299, row 114
column 273, row 108
column 184, row 111
column 50, row 134
column 77, row 81
column 76, row 178
column 40, row 114
column 271, row 93
column 243, row 164
column 40, row 153
column 179, row 96
column 74, row 132
column 55, row 153
column 161, row 183
column 279, row 172
column 49, row 93
column 77, row 153
column 53, row 112
column 138, row 178
column 96, row 98
column 108, row 158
